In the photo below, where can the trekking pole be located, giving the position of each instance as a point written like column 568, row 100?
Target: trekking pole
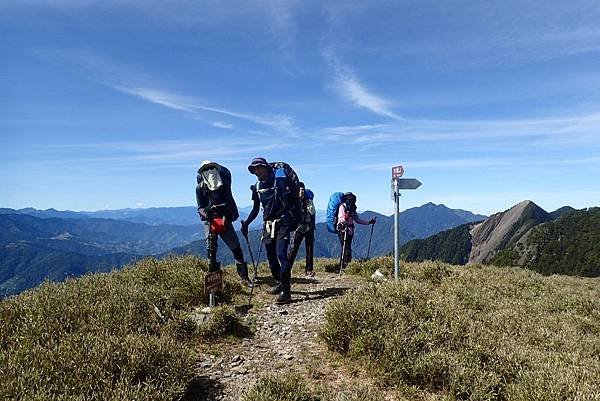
column 251, row 255
column 254, row 280
column 370, row 237
column 343, row 257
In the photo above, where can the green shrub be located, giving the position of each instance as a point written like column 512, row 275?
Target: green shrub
column 476, row 333
column 365, row 268
column 107, row 336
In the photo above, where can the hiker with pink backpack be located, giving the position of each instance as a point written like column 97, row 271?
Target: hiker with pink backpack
column 341, row 217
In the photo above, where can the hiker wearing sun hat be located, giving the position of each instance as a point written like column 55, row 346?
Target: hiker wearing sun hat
column 277, row 192
column 218, row 210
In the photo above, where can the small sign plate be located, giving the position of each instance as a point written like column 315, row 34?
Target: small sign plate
column 213, row 282
column 397, row 172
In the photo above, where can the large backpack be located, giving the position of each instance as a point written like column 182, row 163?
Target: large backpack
column 285, row 176
column 335, row 200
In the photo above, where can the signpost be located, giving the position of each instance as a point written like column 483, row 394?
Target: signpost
column 213, row 282
column 398, row 184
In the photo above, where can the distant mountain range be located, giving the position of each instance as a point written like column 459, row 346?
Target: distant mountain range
column 52, row 244
column 416, row 222
column 154, row 216
column 566, row 241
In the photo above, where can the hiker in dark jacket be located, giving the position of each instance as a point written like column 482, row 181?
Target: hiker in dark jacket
column 346, row 217
column 217, row 209
column 277, row 192
column 305, row 230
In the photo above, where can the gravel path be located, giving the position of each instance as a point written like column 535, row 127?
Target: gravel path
column 285, row 337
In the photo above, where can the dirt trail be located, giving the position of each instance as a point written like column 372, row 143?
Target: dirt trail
column 285, row 337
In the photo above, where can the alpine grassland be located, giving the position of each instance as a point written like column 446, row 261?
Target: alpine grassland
column 473, row 332
column 125, row 335
column 294, row 387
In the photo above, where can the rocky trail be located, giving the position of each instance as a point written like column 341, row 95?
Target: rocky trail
column 285, row 338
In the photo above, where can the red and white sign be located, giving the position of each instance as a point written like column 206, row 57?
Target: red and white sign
column 397, row 172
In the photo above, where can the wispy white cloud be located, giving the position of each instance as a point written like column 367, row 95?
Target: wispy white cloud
column 181, row 154
column 575, row 130
column 125, row 80
column 221, row 124
column 192, row 105
column 347, row 84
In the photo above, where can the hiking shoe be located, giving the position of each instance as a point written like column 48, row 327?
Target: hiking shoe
column 310, row 273
column 242, row 270
column 283, row 298
column 277, row 289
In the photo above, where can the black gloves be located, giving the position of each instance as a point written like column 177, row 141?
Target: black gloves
column 373, row 220
column 341, row 226
column 244, row 228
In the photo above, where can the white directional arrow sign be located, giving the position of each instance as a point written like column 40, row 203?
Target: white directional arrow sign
column 408, row 183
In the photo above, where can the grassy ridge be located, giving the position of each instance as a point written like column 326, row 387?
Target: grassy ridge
column 477, row 333
column 122, row 335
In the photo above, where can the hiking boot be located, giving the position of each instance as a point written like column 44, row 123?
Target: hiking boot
column 310, row 273
column 242, row 270
column 277, row 289
column 283, row 298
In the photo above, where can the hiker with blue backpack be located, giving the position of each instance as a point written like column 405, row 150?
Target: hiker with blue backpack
column 305, row 230
column 277, row 191
column 218, row 210
column 341, row 216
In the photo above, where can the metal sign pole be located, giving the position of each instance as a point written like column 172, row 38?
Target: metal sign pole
column 396, row 230
column 398, row 184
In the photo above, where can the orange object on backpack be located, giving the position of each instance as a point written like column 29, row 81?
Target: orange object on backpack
column 217, row 225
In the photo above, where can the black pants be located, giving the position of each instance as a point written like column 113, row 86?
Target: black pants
column 347, row 256
column 231, row 240
column 309, row 243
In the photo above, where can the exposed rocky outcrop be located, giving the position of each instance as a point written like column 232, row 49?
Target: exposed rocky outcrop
column 504, row 229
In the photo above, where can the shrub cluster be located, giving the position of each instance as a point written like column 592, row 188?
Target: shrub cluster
column 112, row 336
column 474, row 333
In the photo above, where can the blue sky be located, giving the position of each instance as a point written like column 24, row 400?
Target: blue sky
column 113, row 104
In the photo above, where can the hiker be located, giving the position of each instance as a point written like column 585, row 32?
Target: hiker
column 305, row 230
column 277, row 192
column 346, row 217
column 217, row 209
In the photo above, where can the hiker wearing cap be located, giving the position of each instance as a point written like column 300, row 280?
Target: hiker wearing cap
column 277, row 192
column 217, row 209
column 346, row 217
column 305, row 230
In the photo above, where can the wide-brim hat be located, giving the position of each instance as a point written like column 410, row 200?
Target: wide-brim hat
column 257, row 161
column 206, row 164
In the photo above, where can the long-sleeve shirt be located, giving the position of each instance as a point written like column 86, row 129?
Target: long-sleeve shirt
column 349, row 219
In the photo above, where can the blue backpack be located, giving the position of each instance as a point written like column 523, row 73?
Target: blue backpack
column 335, row 200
